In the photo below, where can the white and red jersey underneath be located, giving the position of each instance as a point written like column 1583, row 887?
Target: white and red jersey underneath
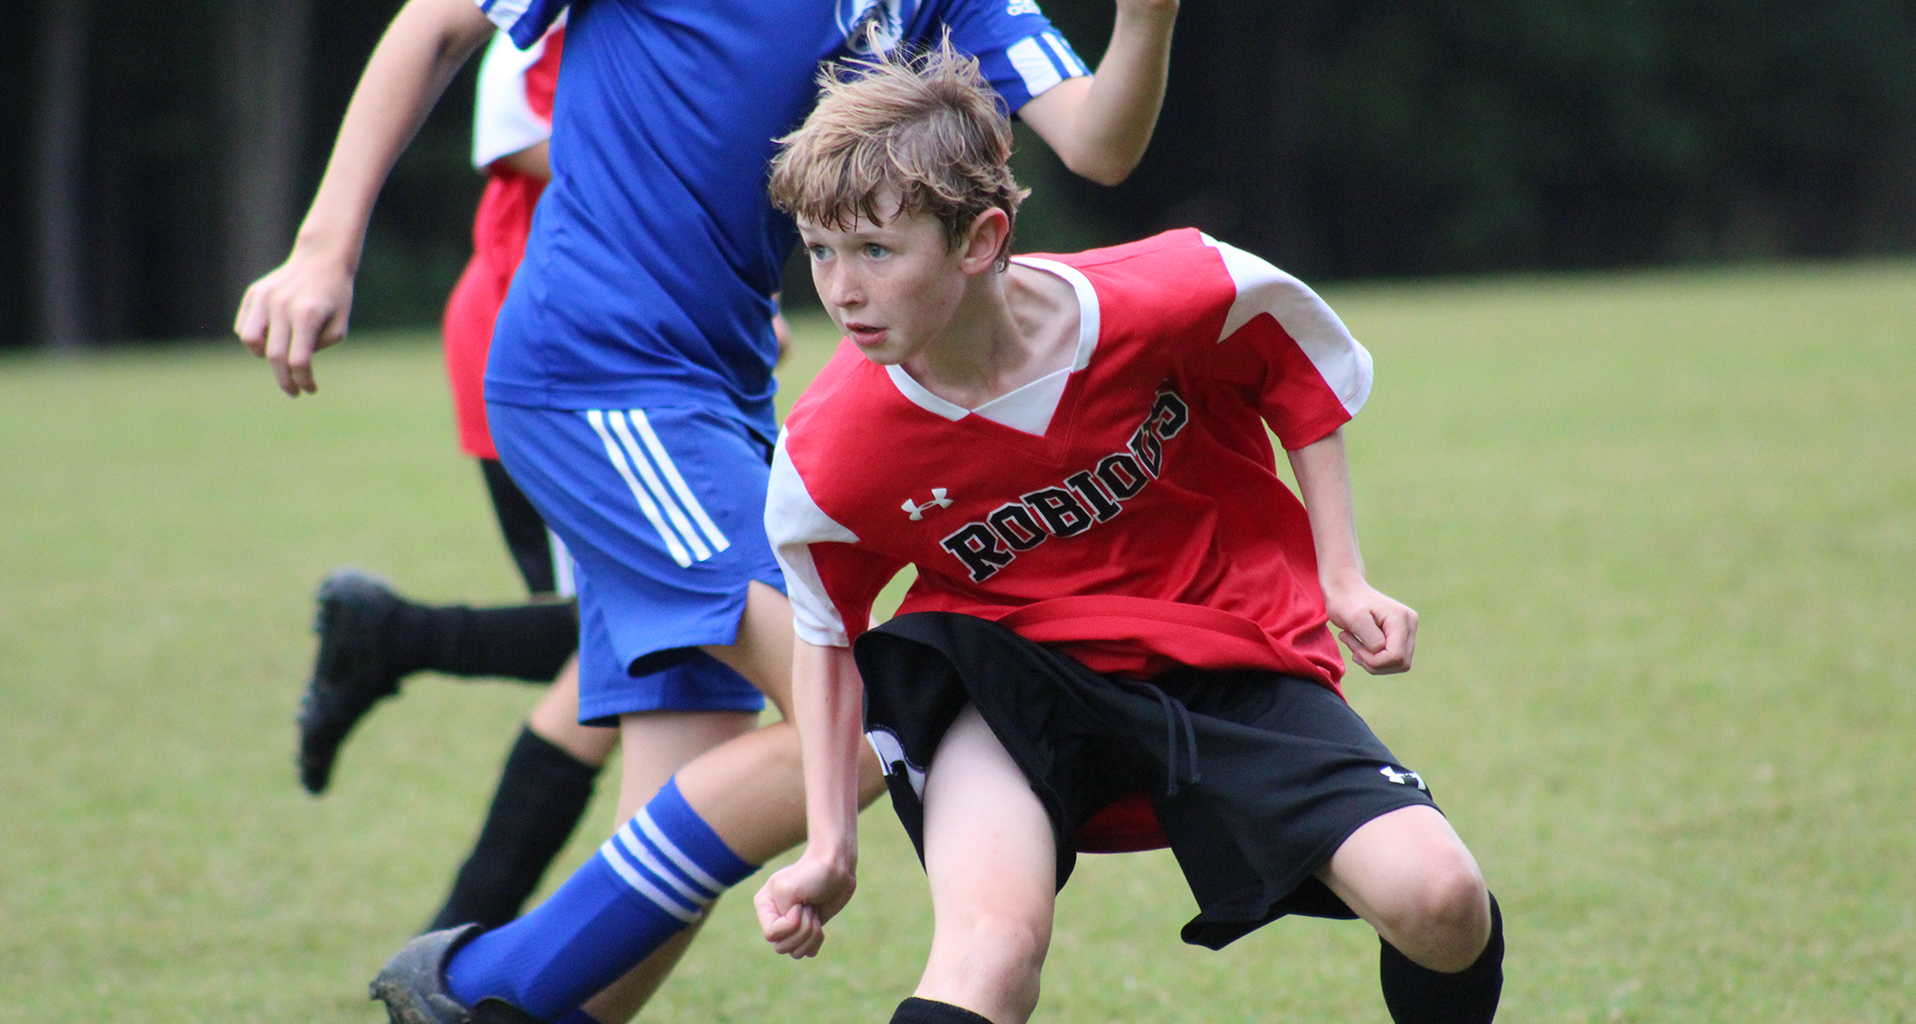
column 1125, row 510
column 512, row 111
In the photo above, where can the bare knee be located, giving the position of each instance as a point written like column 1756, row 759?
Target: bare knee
column 1014, row 945
column 1441, row 919
column 1411, row 877
column 990, row 962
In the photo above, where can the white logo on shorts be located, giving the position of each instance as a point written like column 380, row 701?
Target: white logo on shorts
column 1404, row 778
column 1017, row 7
column 938, row 500
column 891, row 754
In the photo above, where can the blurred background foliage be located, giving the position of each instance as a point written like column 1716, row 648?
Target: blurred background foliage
column 161, row 154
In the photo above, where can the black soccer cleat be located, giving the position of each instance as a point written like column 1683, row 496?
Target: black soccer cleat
column 413, row 985
column 352, row 672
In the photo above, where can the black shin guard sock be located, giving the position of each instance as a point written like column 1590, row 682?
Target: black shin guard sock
column 1419, row 995
column 931, row 1011
column 529, row 641
column 412, row 636
column 541, row 796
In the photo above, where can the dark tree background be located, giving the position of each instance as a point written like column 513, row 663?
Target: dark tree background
column 163, row 151
column 203, row 126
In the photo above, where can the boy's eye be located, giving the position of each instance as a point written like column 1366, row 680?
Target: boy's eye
column 875, row 251
column 818, row 253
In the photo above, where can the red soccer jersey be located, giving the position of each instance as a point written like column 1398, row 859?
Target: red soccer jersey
column 512, row 110
column 1125, row 510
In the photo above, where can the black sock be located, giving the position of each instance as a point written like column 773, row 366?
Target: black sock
column 529, row 642
column 931, row 1011
column 1419, row 995
column 542, row 794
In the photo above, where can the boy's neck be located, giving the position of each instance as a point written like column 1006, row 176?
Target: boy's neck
column 1009, row 329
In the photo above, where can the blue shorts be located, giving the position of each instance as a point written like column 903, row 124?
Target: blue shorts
column 663, row 511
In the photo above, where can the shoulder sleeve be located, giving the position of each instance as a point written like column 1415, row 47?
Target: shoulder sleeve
column 504, row 119
column 524, row 20
column 1018, row 50
column 830, row 579
column 1283, row 341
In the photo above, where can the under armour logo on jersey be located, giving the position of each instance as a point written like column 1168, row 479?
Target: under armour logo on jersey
column 938, row 500
column 1403, row 778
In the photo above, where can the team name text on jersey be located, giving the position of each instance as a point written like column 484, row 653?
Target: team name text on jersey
column 1082, row 500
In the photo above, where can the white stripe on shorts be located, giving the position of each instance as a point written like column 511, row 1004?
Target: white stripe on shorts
column 562, row 581
column 646, row 505
column 658, row 488
column 686, row 497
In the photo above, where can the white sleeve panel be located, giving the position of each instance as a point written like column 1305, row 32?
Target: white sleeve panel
column 503, row 122
column 794, row 522
column 505, row 13
column 1034, row 66
column 1344, row 364
column 526, row 20
column 1065, row 56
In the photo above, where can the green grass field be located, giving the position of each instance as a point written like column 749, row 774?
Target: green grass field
column 1661, row 529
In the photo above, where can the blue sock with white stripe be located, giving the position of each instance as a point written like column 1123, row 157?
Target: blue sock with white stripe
column 654, row 877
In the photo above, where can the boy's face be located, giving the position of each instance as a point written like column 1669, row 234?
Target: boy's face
column 892, row 288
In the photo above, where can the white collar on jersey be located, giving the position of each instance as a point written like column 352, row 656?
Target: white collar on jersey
column 1030, row 407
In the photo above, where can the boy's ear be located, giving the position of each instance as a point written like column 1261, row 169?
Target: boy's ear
column 986, row 240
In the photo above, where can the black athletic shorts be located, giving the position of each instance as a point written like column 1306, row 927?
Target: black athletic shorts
column 527, row 537
column 1256, row 777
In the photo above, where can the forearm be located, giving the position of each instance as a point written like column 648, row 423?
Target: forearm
column 1100, row 127
column 1322, row 469
column 424, row 47
column 828, row 709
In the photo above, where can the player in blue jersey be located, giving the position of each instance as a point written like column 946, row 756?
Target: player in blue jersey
column 629, row 392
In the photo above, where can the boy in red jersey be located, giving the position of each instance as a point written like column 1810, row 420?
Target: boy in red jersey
column 1117, row 637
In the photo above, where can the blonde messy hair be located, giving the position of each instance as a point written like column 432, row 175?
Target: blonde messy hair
column 925, row 127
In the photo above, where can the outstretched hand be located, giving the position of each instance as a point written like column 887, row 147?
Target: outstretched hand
column 293, row 312
column 1380, row 631
column 794, row 904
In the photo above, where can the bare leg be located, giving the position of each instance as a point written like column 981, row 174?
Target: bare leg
column 656, row 745
column 555, row 719
column 992, row 864
column 745, row 782
column 763, row 651
column 752, row 791
column 1410, row 876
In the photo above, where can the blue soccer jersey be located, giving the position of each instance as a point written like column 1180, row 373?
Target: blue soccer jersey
column 654, row 253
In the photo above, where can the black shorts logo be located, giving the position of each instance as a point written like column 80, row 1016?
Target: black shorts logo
column 1075, row 504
